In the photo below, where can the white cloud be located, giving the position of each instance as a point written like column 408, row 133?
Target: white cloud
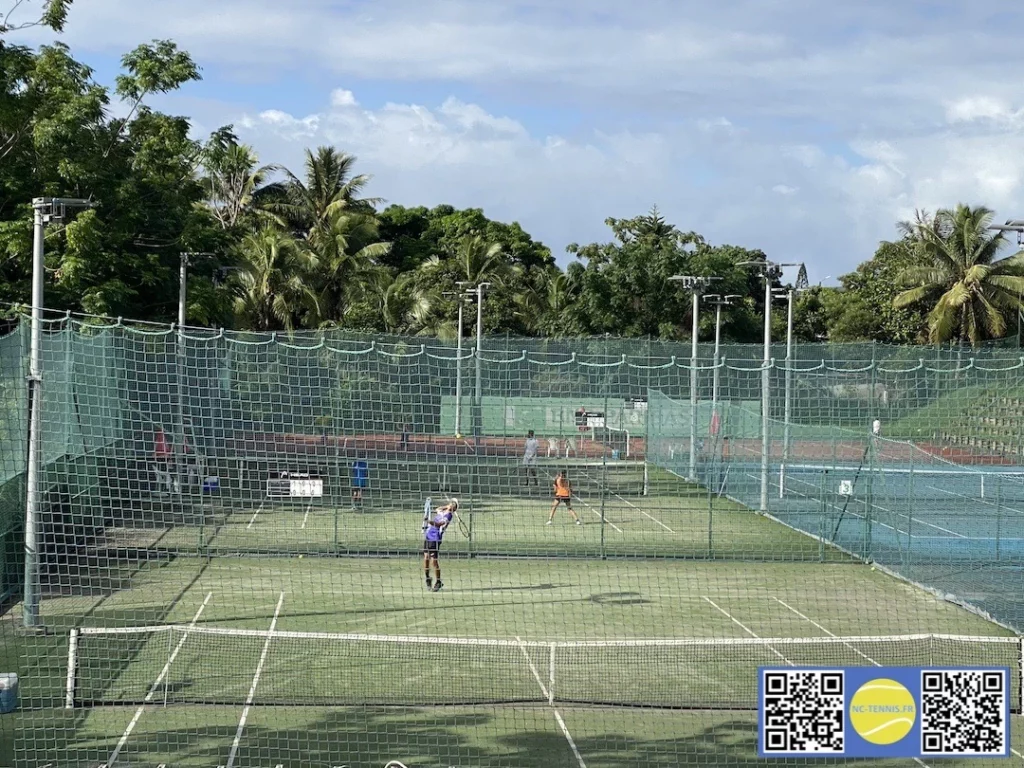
column 342, row 98
column 561, row 113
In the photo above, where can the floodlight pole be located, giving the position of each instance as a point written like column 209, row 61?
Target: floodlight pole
column 769, row 269
column 720, row 301
column 458, row 372
column 766, row 389
column 461, row 294
column 179, row 439
column 44, row 211
column 696, row 286
column 790, row 293
column 478, row 426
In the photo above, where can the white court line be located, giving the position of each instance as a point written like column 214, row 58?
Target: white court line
column 252, row 689
column 568, row 737
column 922, row 522
column 819, row 626
column 982, row 501
column 536, row 674
column 812, row 621
column 156, row 684
column 602, row 517
column 258, row 510
column 642, row 512
column 751, row 633
column 306, row 516
column 547, row 695
column 745, row 628
column 889, row 511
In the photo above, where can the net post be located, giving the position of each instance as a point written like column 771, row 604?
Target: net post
column 69, row 685
column 170, row 655
column 551, row 674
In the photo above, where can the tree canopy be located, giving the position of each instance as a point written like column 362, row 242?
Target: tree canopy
column 279, row 248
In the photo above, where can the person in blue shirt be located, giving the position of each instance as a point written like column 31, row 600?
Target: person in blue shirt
column 435, row 526
column 360, row 479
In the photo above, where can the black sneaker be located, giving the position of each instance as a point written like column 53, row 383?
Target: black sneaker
column 429, row 583
column 437, row 586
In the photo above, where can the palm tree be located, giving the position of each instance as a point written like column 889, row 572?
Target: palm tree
column 348, row 254
column 270, row 285
column 970, row 290
column 233, row 178
column 329, row 188
column 397, row 302
column 477, row 260
column 472, row 260
column 542, row 305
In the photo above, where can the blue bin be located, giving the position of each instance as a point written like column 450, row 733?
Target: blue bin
column 8, row 692
column 615, row 455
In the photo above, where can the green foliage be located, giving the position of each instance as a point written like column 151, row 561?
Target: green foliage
column 623, row 288
column 865, row 310
column 54, row 16
column 958, row 275
column 283, row 249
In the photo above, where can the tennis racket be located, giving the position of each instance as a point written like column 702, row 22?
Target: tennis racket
column 463, row 528
column 427, row 510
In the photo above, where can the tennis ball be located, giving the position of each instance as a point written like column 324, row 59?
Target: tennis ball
column 882, row 711
column 301, row 556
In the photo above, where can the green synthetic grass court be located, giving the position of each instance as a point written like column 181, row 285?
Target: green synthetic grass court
column 675, row 522
column 536, row 600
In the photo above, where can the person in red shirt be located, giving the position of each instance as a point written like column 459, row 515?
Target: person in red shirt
column 163, row 460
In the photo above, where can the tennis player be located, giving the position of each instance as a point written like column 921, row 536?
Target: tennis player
column 563, row 495
column 163, row 461
column 436, row 525
column 360, row 479
column 530, row 459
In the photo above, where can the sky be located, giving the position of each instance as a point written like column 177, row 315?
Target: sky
column 805, row 128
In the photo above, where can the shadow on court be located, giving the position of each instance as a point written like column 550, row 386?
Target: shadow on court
column 369, row 737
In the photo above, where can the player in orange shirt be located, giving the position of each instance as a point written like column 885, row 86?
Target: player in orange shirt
column 563, row 495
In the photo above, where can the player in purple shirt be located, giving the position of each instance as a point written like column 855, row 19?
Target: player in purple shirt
column 434, row 528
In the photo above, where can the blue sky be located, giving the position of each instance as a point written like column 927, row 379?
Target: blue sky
column 805, row 128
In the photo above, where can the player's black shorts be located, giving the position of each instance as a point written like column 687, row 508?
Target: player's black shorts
column 567, row 500
column 431, row 547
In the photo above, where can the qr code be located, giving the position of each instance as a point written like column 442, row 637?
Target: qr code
column 803, row 712
column 963, row 712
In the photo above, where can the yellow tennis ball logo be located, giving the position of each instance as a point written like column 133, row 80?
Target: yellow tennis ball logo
column 882, row 711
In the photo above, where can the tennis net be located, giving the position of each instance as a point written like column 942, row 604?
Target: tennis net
column 414, row 478
column 207, row 665
column 956, row 487
column 617, row 440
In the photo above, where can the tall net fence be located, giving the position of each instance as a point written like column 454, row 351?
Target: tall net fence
column 231, row 535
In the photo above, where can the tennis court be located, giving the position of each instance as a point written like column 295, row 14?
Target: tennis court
column 928, row 513
column 627, row 508
column 256, row 652
column 240, row 606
